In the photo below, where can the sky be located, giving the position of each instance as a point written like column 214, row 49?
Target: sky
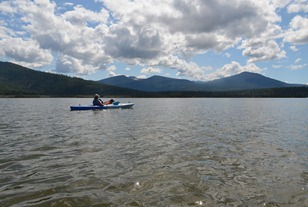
column 188, row 39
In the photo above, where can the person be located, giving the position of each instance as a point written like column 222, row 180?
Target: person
column 98, row 102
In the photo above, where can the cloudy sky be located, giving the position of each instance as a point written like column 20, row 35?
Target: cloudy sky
column 190, row 39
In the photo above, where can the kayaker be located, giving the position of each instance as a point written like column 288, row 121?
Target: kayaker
column 98, row 102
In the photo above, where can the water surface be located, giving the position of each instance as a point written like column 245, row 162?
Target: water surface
column 163, row 152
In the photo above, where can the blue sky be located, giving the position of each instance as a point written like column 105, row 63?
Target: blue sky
column 188, row 39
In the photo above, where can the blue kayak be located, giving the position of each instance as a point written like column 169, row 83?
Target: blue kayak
column 115, row 105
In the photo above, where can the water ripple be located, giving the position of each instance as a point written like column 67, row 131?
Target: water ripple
column 164, row 152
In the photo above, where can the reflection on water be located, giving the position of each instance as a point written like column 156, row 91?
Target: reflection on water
column 164, row 152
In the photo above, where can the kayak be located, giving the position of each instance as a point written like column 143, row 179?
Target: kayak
column 115, row 105
column 109, row 106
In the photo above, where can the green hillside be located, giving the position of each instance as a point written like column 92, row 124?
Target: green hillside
column 16, row 80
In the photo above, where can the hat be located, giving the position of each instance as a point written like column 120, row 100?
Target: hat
column 96, row 95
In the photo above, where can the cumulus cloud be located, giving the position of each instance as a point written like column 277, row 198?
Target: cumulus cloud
column 298, row 6
column 232, row 69
column 83, row 17
column 133, row 47
column 7, row 7
column 150, row 70
column 76, row 44
column 280, row 3
column 141, row 77
column 260, row 50
column 264, row 47
column 25, row 52
column 184, row 68
column 111, row 70
column 298, row 32
column 149, row 33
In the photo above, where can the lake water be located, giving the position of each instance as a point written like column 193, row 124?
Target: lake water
column 163, row 152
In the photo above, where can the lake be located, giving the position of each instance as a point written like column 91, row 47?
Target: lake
column 163, row 152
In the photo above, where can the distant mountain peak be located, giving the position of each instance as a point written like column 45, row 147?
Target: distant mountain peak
column 247, row 73
column 242, row 81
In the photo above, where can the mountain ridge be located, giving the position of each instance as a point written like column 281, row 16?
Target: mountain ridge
column 241, row 81
column 19, row 81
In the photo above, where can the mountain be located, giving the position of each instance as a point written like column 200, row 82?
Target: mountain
column 245, row 81
column 18, row 80
column 242, row 81
column 152, row 84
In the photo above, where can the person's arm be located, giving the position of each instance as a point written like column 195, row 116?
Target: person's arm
column 98, row 103
column 101, row 102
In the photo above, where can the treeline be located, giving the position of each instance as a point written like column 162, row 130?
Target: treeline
column 18, row 81
column 290, row 92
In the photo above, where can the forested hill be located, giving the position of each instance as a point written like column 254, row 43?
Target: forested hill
column 21, row 81
column 18, row 81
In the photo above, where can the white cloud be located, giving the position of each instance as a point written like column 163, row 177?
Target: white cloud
column 232, row 69
column 297, row 60
column 293, row 48
column 298, row 67
column 25, row 52
column 131, row 46
column 277, row 66
column 82, row 17
column 184, row 68
column 150, row 70
column 141, row 77
column 264, row 46
column 260, row 50
column 111, row 70
column 78, row 45
column 68, row 4
column 298, row 32
column 6, row 7
column 69, row 64
column 280, row 3
column 5, row 33
column 298, row 6
column 148, row 33
column 180, row 29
